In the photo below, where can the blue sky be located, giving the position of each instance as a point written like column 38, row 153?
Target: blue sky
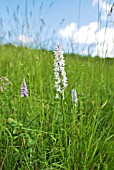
column 77, row 25
column 53, row 11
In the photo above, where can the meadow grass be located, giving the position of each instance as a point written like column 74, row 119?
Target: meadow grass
column 34, row 133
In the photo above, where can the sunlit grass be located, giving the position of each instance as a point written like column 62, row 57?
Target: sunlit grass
column 33, row 132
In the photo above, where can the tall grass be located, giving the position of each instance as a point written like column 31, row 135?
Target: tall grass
column 42, row 132
column 32, row 132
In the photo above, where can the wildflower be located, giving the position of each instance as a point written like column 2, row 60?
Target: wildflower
column 74, row 97
column 4, row 82
column 57, row 96
column 24, row 90
column 35, row 166
column 59, row 71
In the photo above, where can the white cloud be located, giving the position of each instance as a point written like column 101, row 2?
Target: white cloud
column 102, row 40
column 105, row 42
column 86, row 34
column 25, row 39
column 68, row 31
column 104, row 8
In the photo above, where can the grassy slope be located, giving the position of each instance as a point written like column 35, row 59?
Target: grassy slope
column 32, row 129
